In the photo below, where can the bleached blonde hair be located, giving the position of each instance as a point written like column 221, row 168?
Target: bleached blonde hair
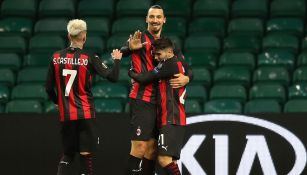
column 75, row 26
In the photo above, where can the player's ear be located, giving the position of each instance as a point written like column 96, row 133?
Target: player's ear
column 164, row 21
column 146, row 19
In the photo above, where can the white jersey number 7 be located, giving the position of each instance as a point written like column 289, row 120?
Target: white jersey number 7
column 72, row 77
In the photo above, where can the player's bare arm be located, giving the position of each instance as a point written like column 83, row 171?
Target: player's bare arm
column 179, row 80
column 135, row 42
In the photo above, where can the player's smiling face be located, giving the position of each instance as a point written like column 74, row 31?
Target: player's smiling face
column 155, row 20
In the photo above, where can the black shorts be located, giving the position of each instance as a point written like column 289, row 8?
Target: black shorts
column 79, row 136
column 143, row 120
column 171, row 140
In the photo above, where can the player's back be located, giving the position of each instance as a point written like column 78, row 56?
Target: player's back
column 73, row 75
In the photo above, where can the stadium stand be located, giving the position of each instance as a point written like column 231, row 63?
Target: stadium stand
column 247, row 56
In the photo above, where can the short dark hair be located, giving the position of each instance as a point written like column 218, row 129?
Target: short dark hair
column 162, row 43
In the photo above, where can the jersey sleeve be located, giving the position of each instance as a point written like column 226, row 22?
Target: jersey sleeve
column 162, row 71
column 102, row 69
column 50, row 84
column 180, row 57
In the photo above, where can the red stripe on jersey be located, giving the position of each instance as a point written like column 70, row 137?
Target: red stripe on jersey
column 137, row 66
column 72, row 106
column 163, row 102
column 150, row 67
column 181, row 92
column 57, row 79
column 82, row 92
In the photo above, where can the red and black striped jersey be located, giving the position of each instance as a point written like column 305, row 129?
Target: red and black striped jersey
column 69, row 82
column 170, row 101
column 142, row 61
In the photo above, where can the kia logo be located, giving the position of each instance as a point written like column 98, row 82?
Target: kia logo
column 256, row 147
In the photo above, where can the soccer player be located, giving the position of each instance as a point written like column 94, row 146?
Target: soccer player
column 143, row 97
column 171, row 113
column 68, row 85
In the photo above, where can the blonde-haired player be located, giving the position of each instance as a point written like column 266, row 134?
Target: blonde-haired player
column 68, row 85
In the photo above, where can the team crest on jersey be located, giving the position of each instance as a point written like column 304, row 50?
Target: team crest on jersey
column 138, row 131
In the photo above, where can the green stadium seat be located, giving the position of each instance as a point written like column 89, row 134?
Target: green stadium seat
column 244, row 59
column 219, row 8
column 201, row 59
column 233, row 75
column 235, row 92
column 246, row 27
column 46, row 44
column 201, row 77
column 128, row 25
column 242, row 44
column 268, row 91
column 286, row 8
column 108, row 90
column 202, row 43
column 116, row 41
column 293, row 26
column 29, row 91
column 223, row 107
column 96, row 8
column 173, row 8
column 53, row 26
column 281, row 41
column 127, row 108
column 175, row 26
column 271, row 74
column 10, row 60
column 2, row 108
column 4, row 93
column 57, row 8
column 108, row 105
column 250, row 8
column 37, row 60
column 298, row 91
column 24, row 106
column 24, row 8
column 262, row 106
column 94, row 44
column 7, row 77
column 15, row 26
column 50, row 107
column 123, row 77
column 298, row 105
column 196, row 92
column 13, row 44
column 192, row 107
column 304, row 43
column 300, row 75
column 302, row 59
column 98, row 26
column 32, row 75
column 281, row 58
column 207, row 26
column 129, row 8
column 176, row 40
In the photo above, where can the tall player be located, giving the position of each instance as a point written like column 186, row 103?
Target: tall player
column 143, row 97
column 171, row 113
column 68, row 85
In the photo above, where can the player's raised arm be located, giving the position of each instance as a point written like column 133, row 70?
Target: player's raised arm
column 104, row 71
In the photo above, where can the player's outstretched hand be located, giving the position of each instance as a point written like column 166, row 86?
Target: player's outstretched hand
column 116, row 54
column 179, row 80
column 135, row 42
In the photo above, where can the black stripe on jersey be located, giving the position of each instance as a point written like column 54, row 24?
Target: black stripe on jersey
column 65, row 99
column 169, row 103
column 176, row 104
column 78, row 102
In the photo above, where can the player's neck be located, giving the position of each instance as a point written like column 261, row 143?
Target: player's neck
column 76, row 45
column 155, row 35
